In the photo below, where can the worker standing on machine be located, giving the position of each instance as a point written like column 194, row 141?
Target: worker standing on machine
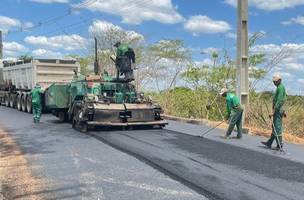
column 278, row 113
column 125, row 56
column 36, row 102
column 234, row 113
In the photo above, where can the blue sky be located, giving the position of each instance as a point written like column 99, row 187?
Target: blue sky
column 48, row 28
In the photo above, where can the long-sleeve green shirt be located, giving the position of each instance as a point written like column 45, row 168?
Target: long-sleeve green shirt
column 36, row 95
column 232, row 102
column 279, row 97
column 122, row 50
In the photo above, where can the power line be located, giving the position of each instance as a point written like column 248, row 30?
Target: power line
column 51, row 20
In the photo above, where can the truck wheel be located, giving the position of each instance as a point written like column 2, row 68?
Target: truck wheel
column 62, row 116
column 23, row 103
column 19, row 102
column 29, row 104
column 12, row 101
column 78, row 124
column 7, row 100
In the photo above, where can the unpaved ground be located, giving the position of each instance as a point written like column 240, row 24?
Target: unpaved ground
column 16, row 179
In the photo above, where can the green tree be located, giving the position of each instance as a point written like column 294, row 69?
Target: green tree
column 84, row 63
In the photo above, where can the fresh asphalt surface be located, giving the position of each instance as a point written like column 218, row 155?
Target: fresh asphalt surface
column 153, row 164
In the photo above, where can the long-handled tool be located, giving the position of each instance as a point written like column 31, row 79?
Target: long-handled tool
column 275, row 130
column 211, row 129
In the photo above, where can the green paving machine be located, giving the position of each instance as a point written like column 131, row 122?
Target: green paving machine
column 103, row 100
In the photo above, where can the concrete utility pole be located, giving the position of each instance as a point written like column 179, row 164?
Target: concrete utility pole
column 242, row 55
column 1, row 58
column 1, row 46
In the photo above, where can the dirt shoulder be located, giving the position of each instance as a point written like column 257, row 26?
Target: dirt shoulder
column 252, row 130
column 16, row 180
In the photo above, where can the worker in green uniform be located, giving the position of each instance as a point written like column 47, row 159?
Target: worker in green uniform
column 36, row 102
column 124, row 50
column 125, row 56
column 279, row 98
column 234, row 113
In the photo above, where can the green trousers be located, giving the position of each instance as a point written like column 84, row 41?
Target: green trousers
column 235, row 120
column 277, row 128
column 36, row 112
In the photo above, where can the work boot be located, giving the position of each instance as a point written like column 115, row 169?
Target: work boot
column 278, row 147
column 266, row 144
column 239, row 136
column 227, row 137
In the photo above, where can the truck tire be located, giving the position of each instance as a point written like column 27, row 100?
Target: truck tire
column 12, row 101
column 28, row 103
column 62, row 116
column 7, row 97
column 19, row 102
column 23, row 102
column 79, row 125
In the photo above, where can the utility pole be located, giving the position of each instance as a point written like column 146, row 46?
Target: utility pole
column 1, row 46
column 1, row 59
column 242, row 55
column 96, row 67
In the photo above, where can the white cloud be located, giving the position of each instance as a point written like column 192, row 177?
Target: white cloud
column 13, row 49
column 270, row 5
column 231, row 35
column 28, row 25
column 292, row 63
column 200, row 24
column 210, row 50
column 111, row 33
column 292, row 66
column 296, row 20
column 135, row 12
column 206, row 61
column 301, row 80
column 43, row 53
column 14, row 46
column 7, row 23
column 66, row 42
column 50, row 1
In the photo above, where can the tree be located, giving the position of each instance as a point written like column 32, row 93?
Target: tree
column 25, row 57
column 84, row 63
column 107, row 36
column 167, row 58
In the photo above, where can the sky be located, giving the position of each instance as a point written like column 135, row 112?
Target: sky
column 54, row 28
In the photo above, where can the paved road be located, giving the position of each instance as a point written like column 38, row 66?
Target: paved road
column 77, row 166
column 212, row 167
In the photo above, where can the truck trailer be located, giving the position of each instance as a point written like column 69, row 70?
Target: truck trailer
column 18, row 78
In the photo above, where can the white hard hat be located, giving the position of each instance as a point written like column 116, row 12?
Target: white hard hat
column 223, row 90
column 276, row 77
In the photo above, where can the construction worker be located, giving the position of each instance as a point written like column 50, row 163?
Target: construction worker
column 125, row 50
column 36, row 102
column 234, row 113
column 125, row 56
column 279, row 98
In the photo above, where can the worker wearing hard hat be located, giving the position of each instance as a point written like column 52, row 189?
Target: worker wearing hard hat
column 36, row 102
column 279, row 98
column 234, row 112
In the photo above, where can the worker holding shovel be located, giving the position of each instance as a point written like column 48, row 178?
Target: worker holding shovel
column 234, row 112
column 277, row 114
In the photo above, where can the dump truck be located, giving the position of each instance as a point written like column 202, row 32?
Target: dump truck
column 18, row 78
